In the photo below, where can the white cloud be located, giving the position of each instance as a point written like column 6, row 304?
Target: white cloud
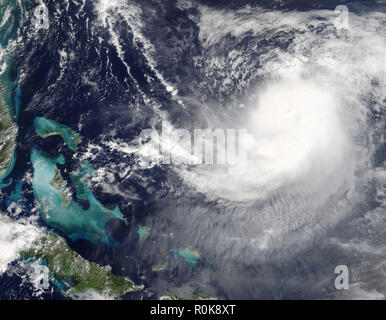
column 15, row 236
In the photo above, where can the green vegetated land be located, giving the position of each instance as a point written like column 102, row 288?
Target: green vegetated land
column 75, row 275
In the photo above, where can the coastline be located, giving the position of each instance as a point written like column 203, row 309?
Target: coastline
column 8, row 133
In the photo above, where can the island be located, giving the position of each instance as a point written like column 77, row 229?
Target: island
column 74, row 275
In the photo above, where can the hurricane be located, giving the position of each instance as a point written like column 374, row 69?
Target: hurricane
column 262, row 166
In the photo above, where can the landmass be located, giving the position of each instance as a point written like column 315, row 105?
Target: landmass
column 8, row 133
column 46, row 128
column 173, row 296
column 74, row 275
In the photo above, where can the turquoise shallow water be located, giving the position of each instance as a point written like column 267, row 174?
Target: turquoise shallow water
column 143, row 232
column 190, row 256
column 58, row 209
column 46, row 127
column 16, row 195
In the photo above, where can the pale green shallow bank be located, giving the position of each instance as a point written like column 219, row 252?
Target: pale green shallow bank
column 46, row 128
column 57, row 207
column 72, row 274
